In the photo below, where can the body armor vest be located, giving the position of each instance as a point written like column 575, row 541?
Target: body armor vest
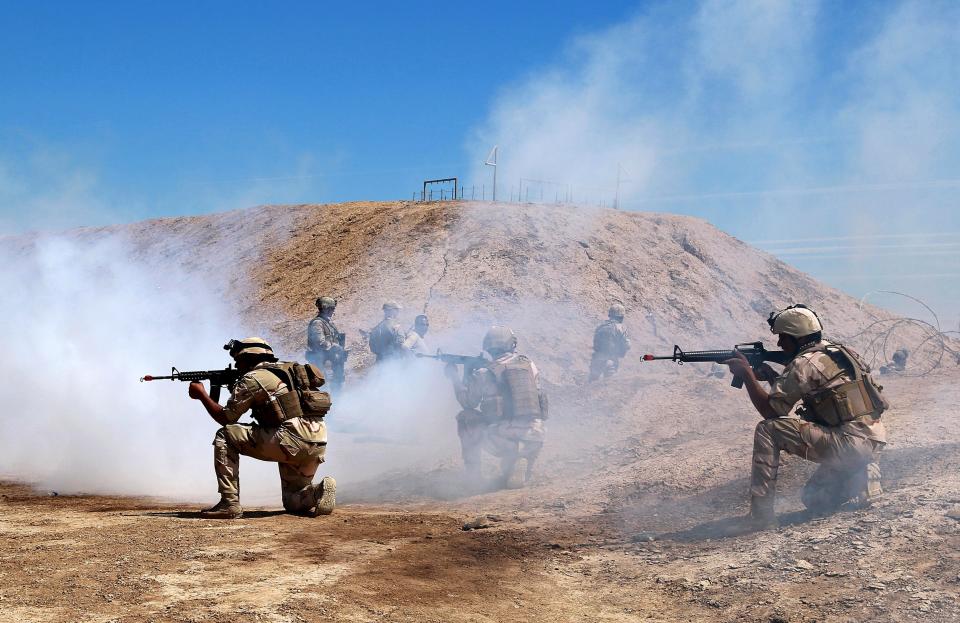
column 383, row 339
column 847, row 401
column 302, row 398
column 519, row 397
column 606, row 339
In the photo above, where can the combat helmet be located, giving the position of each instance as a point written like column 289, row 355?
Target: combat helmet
column 248, row 346
column 796, row 321
column 616, row 312
column 388, row 305
column 499, row 340
column 326, row 302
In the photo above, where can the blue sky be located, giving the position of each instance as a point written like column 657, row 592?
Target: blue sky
column 173, row 106
column 827, row 132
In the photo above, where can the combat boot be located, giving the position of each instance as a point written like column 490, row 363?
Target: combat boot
column 514, row 477
column 870, row 490
column 224, row 509
column 762, row 515
column 325, row 493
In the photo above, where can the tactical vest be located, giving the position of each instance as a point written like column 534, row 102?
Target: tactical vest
column 606, row 339
column 519, row 397
column 302, row 399
column 383, row 339
column 834, row 406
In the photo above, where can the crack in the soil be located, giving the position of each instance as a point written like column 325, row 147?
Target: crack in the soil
column 443, row 273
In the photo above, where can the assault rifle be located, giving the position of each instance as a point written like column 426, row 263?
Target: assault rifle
column 755, row 353
column 469, row 362
column 218, row 378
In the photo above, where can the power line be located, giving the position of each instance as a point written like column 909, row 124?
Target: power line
column 818, row 190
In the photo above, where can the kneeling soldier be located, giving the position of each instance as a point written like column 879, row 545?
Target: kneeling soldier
column 504, row 409
column 289, row 429
column 840, row 425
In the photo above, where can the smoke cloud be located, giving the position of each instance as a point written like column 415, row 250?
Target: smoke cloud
column 91, row 313
column 770, row 119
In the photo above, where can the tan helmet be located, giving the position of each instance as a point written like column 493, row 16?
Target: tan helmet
column 326, row 302
column 796, row 321
column 391, row 305
column 248, row 346
column 616, row 312
column 499, row 340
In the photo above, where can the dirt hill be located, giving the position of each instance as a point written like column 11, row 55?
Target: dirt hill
column 630, row 514
column 549, row 272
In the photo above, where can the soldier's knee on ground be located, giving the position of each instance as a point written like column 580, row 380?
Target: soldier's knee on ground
column 829, row 488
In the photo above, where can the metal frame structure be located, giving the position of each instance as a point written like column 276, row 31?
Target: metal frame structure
column 423, row 194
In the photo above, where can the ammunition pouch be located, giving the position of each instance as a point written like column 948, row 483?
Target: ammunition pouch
column 848, row 401
column 838, row 405
column 303, row 399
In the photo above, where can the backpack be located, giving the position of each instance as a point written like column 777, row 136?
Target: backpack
column 304, row 398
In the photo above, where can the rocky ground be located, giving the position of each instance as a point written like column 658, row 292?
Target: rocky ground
column 632, row 513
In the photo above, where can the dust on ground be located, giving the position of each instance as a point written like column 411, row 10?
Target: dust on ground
column 655, row 539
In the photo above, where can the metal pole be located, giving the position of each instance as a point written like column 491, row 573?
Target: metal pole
column 616, row 201
column 496, row 158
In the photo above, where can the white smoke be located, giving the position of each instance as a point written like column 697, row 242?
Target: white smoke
column 88, row 315
column 84, row 321
column 770, row 119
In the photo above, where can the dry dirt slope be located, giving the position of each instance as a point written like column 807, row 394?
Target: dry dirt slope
column 548, row 271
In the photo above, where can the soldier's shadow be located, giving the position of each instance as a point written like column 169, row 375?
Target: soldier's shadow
column 899, row 467
column 261, row 514
column 730, row 527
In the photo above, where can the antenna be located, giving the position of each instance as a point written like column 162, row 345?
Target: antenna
column 491, row 161
column 616, row 199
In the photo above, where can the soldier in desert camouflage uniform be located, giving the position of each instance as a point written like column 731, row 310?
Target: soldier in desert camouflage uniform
column 840, row 425
column 610, row 344
column 326, row 344
column 386, row 339
column 298, row 443
column 504, row 409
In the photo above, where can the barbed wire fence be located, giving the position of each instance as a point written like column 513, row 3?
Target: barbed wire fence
column 905, row 346
column 526, row 190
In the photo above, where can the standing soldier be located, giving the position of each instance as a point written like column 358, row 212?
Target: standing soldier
column 504, row 409
column 839, row 425
column 288, row 430
column 610, row 344
column 386, row 339
column 326, row 344
column 414, row 341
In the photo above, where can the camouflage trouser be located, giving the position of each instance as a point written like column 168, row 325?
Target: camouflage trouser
column 471, row 427
column 508, row 440
column 298, row 461
column 848, row 464
column 336, row 357
column 512, row 440
column 603, row 364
